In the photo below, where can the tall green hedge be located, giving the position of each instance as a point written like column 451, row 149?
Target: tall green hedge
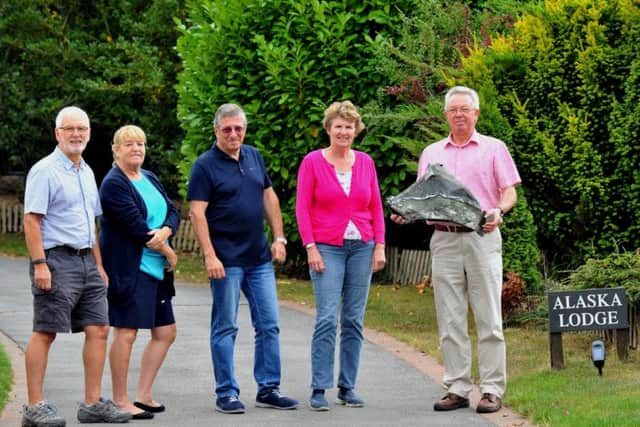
column 114, row 59
column 284, row 62
column 567, row 81
column 421, row 64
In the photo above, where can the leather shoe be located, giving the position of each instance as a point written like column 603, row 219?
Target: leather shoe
column 489, row 403
column 450, row 402
column 148, row 408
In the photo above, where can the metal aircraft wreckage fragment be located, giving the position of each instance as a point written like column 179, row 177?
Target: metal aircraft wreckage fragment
column 439, row 197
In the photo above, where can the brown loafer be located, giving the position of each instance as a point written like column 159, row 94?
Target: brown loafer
column 450, row 402
column 489, row 403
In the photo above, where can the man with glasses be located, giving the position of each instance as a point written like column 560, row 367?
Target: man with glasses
column 231, row 193
column 68, row 281
column 467, row 267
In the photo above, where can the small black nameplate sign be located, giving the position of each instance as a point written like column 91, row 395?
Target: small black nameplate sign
column 590, row 309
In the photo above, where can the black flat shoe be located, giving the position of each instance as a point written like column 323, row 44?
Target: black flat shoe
column 142, row 416
column 148, row 408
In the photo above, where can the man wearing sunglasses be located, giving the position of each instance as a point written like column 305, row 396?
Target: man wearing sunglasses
column 230, row 194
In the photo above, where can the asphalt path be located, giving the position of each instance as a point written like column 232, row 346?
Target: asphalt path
column 397, row 387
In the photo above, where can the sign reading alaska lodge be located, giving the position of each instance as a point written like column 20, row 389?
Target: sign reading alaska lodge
column 590, row 309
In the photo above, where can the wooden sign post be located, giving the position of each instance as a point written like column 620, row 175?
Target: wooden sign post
column 590, row 309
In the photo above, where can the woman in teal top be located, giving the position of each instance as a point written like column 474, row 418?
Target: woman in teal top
column 138, row 219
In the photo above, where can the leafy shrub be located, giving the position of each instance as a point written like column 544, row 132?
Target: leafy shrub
column 114, row 59
column 408, row 111
column 283, row 61
column 512, row 293
column 566, row 81
column 615, row 270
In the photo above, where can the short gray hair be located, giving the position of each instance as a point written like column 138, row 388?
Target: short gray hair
column 69, row 111
column 475, row 99
column 229, row 110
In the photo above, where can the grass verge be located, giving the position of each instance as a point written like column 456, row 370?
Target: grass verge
column 574, row 396
column 6, row 377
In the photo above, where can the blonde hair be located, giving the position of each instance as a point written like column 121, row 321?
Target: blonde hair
column 124, row 133
column 344, row 110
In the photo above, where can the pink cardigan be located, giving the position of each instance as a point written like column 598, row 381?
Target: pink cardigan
column 323, row 209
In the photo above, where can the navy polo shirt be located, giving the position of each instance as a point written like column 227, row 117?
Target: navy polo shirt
column 235, row 213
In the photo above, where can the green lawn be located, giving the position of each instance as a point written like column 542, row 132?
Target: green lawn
column 575, row 396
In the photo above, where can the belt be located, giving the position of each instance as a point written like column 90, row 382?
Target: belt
column 453, row 228
column 70, row 250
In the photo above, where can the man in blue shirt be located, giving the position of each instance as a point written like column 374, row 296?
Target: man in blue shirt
column 230, row 193
column 68, row 282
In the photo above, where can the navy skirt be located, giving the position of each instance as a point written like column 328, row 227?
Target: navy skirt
column 149, row 306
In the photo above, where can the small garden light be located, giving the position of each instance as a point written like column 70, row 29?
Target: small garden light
column 597, row 355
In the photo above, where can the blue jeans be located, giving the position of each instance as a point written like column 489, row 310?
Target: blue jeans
column 259, row 287
column 344, row 282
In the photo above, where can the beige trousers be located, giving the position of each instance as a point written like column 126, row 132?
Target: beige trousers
column 467, row 271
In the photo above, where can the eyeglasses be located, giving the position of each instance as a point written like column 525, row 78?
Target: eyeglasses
column 72, row 129
column 228, row 129
column 463, row 110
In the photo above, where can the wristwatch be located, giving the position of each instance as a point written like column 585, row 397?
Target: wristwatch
column 281, row 239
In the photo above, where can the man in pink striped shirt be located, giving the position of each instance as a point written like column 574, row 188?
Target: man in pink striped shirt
column 467, row 267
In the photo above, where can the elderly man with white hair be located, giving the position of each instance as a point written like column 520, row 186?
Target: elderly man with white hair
column 467, row 266
column 68, row 282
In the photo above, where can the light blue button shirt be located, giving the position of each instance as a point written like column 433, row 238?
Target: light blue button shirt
column 67, row 197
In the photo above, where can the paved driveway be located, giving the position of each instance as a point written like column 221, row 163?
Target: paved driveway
column 396, row 392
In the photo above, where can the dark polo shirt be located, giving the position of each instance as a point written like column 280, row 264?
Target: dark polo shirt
column 235, row 214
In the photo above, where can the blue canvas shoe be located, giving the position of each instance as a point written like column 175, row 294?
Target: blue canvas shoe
column 317, row 402
column 273, row 399
column 348, row 398
column 229, row 405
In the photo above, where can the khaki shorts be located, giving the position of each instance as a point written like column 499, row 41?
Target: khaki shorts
column 78, row 295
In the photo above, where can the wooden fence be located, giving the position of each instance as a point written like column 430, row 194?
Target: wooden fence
column 407, row 266
column 609, row 334
column 185, row 240
column 11, row 214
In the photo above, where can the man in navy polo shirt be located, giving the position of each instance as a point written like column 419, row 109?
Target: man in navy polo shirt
column 230, row 193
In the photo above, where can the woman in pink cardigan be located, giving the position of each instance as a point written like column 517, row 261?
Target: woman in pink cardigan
column 341, row 222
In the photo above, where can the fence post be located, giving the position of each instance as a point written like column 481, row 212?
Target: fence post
column 622, row 344
column 557, row 355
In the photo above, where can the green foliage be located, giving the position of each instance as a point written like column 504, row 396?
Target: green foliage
column 6, row 377
column 13, row 244
column 566, row 80
column 408, row 113
column 519, row 251
column 283, row 61
column 615, row 270
column 114, row 59
column 407, row 110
